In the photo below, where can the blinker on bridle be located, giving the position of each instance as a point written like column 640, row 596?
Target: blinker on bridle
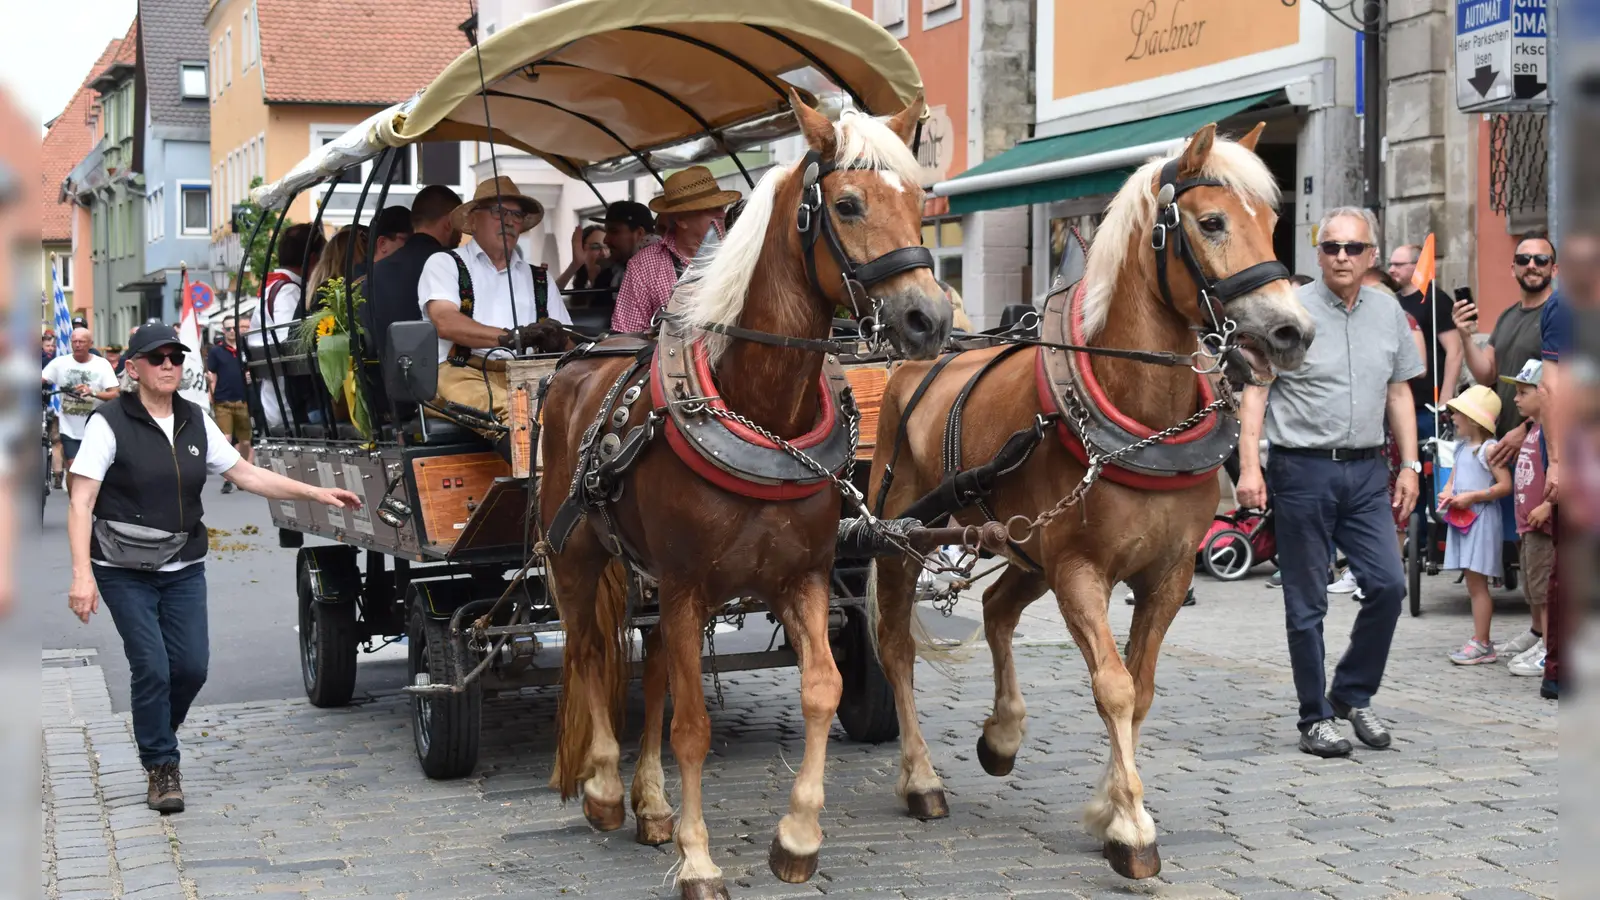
column 814, row 222
column 1214, row 295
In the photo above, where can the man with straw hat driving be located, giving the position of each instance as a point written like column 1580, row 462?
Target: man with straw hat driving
column 690, row 203
column 487, row 302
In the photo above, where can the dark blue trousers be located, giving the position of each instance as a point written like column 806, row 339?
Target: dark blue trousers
column 161, row 617
column 1314, row 500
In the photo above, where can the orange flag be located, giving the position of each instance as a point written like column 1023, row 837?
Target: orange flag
column 1423, row 276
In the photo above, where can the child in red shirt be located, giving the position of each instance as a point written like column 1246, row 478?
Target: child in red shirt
column 1534, row 516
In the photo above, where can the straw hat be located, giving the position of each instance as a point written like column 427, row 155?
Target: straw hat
column 508, row 192
column 690, row 190
column 1480, row 404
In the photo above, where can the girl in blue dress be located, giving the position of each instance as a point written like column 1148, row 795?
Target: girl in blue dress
column 1470, row 502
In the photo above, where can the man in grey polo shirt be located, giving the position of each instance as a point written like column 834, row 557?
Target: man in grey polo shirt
column 1324, row 422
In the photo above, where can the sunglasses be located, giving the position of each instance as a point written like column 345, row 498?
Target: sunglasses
column 1538, row 259
column 157, row 358
column 1350, row 248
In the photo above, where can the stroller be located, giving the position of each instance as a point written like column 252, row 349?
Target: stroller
column 1236, row 542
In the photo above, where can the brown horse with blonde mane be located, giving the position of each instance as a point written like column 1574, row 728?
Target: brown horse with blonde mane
column 702, row 538
column 1135, row 527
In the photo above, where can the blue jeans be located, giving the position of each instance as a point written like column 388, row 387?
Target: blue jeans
column 1315, row 499
column 162, row 619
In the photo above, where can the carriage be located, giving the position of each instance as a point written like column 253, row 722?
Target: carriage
column 442, row 550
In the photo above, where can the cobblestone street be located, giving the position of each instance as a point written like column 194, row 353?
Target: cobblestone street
column 286, row 800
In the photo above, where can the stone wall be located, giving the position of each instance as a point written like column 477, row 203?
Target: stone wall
column 995, row 256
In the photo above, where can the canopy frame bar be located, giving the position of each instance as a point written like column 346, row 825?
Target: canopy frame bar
column 815, row 60
column 590, row 120
column 737, row 60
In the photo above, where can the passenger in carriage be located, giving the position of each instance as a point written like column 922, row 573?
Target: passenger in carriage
column 299, row 250
column 469, row 294
column 690, row 205
column 392, row 283
column 629, row 229
column 390, row 231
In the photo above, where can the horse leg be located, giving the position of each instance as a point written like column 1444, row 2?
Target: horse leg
column 652, row 814
column 592, row 603
column 793, row 856
column 1152, row 616
column 895, row 597
column 683, row 629
column 1003, row 604
column 1115, row 813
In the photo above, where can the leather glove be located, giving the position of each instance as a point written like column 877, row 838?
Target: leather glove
column 544, row 336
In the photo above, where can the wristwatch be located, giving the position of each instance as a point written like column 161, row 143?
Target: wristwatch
column 1413, row 465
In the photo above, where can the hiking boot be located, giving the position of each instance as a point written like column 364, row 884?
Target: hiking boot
column 1369, row 728
column 166, row 789
column 1324, row 740
column 1474, row 652
column 1518, row 645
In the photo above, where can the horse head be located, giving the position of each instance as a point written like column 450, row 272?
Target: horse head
column 859, row 214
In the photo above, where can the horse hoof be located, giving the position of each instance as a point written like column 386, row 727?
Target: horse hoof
column 992, row 762
column 603, row 817
column 928, row 804
column 652, row 832
column 1133, row 862
column 789, row 867
column 708, row 889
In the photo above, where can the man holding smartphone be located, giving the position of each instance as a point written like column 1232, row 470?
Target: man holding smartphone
column 1515, row 338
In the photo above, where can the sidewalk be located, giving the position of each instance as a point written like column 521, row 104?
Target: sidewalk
column 100, row 841
column 288, row 801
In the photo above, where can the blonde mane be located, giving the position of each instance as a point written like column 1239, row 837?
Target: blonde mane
column 714, row 288
column 1132, row 211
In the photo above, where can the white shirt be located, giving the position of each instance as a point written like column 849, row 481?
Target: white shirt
column 100, row 451
column 67, row 373
column 278, row 311
column 280, row 308
column 491, row 298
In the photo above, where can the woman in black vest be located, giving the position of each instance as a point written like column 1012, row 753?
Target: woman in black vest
column 137, row 540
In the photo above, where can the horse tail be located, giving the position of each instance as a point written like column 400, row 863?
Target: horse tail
column 943, row 654
column 597, row 648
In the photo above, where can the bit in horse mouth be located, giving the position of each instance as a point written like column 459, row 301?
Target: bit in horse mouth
column 1262, row 370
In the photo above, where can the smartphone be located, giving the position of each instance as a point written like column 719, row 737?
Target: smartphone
column 1464, row 295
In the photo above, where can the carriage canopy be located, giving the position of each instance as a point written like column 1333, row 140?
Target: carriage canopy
column 611, row 89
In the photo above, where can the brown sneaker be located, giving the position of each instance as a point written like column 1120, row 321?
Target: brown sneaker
column 166, row 789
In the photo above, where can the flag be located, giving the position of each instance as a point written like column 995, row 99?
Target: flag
column 1425, row 267
column 189, row 320
column 63, row 324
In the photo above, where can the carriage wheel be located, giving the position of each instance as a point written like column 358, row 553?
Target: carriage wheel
column 1228, row 555
column 1416, row 552
column 328, row 641
column 443, row 726
column 866, row 707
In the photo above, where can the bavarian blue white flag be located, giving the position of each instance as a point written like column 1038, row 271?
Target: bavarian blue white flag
column 63, row 324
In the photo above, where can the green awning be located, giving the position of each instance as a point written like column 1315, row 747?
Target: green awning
column 1082, row 143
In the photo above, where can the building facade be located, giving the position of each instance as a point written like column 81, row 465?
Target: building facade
column 64, row 225
column 176, row 159
column 287, row 77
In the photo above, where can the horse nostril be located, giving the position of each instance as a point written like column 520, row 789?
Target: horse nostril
column 1286, row 336
column 917, row 324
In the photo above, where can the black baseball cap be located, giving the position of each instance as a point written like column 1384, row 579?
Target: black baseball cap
column 629, row 213
column 80, row 322
column 153, row 337
column 392, row 221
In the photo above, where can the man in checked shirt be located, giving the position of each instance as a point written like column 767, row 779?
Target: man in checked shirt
column 691, row 203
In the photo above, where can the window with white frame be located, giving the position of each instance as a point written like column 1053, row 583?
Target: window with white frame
column 247, row 39
column 192, row 80
column 890, row 14
column 64, row 271
column 419, row 165
column 213, row 86
column 944, row 238
column 227, row 56
column 154, row 226
column 940, row 12
column 194, row 209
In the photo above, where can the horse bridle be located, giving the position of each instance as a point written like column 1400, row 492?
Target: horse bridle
column 1214, row 295
column 814, row 223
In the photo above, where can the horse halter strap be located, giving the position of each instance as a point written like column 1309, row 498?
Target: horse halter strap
column 814, row 222
column 1169, row 231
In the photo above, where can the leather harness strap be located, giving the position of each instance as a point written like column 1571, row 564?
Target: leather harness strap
column 900, row 438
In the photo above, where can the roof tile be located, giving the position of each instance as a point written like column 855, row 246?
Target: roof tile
column 172, row 32
column 68, row 140
column 357, row 52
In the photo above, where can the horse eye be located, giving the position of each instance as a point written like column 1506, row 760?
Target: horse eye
column 1213, row 224
column 847, row 206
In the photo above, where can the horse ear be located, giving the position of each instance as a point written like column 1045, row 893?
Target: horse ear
column 1199, row 150
column 814, row 125
column 904, row 123
column 1249, row 141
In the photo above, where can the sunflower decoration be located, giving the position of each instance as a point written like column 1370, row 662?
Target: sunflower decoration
column 326, row 333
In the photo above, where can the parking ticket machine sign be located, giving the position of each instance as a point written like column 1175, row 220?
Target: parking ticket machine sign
column 1501, row 54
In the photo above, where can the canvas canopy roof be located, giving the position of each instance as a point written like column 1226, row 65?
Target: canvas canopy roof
column 609, row 89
